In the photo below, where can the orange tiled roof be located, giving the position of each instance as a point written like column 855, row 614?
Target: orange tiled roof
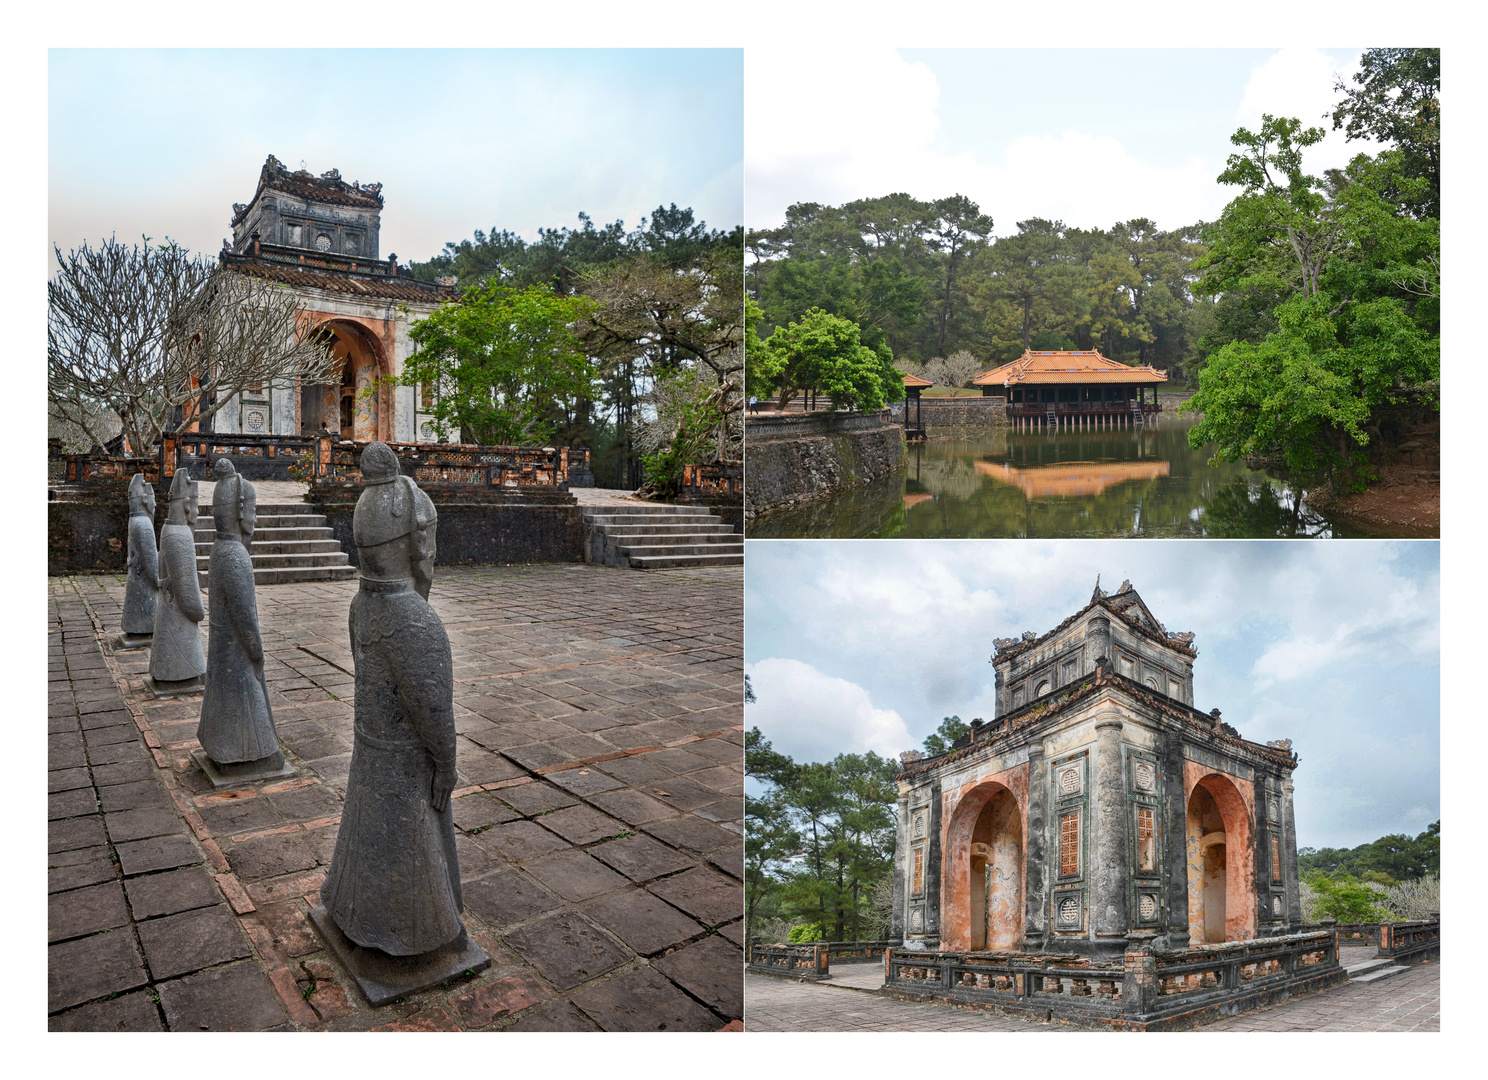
column 353, row 284
column 1067, row 366
column 915, row 380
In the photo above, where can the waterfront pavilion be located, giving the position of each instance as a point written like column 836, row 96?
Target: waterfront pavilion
column 1073, row 389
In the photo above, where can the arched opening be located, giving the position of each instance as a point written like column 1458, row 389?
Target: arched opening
column 983, row 907
column 1220, row 903
column 350, row 406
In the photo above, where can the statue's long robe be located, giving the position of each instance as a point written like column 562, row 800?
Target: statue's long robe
column 142, row 581
column 236, row 722
column 176, row 653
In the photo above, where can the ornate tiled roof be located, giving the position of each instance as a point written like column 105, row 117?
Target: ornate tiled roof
column 352, row 277
column 328, row 187
column 915, row 380
column 1067, row 366
column 1125, row 604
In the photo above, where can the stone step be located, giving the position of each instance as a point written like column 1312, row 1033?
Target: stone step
column 616, row 532
column 640, row 508
column 205, row 509
column 1375, row 976
column 1364, row 967
column 643, row 551
column 667, row 562
column 279, row 547
column 270, row 562
column 308, row 532
column 628, row 513
column 269, row 521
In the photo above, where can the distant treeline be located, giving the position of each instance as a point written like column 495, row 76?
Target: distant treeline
column 1397, row 856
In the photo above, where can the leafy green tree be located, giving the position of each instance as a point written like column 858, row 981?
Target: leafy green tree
column 944, row 737
column 1397, row 101
column 825, row 353
column 1345, row 898
column 504, row 364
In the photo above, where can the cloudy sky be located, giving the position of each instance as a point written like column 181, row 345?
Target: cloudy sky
column 163, row 142
column 1088, row 136
column 867, row 645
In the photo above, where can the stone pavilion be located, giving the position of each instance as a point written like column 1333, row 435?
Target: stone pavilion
column 1100, row 808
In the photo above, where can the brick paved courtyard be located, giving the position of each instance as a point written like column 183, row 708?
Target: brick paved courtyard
column 1410, row 1001
column 599, row 817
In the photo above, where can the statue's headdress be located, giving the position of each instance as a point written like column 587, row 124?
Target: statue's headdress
column 232, row 490
column 182, row 486
column 139, row 491
column 391, row 505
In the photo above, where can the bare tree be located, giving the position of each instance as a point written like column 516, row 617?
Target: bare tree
column 954, row 372
column 136, row 332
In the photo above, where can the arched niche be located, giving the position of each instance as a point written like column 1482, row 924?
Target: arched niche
column 982, row 902
column 1221, row 903
column 350, row 405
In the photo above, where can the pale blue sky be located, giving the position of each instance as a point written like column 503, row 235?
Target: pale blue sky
column 1087, row 136
column 163, row 142
column 859, row 645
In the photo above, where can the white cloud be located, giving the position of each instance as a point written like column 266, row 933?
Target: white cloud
column 814, row 717
column 1299, row 83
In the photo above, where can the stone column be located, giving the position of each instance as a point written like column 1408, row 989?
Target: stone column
column 1036, row 903
column 1109, row 874
column 933, row 855
column 1174, row 853
column 1289, row 857
column 1098, row 634
column 897, row 925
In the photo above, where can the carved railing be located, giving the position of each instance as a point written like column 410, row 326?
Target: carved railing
column 1065, row 408
column 719, row 478
column 457, row 470
column 790, row 961
column 849, row 952
column 1410, row 941
column 196, row 450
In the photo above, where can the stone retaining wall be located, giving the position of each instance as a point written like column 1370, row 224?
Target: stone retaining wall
column 797, row 456
column 483, row 534
column 961, row 412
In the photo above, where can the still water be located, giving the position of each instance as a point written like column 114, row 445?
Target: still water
column 1130, row 482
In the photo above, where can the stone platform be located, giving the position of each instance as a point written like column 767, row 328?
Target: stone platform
column 599, row 814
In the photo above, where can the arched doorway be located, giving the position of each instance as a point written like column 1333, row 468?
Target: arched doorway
column 351, row 406
column 985, row 864
column 1220, row 903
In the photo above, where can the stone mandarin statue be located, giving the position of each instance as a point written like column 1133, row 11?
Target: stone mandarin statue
column 176, row 655
column 237, row 725
column 142, row 582
column 394, row 880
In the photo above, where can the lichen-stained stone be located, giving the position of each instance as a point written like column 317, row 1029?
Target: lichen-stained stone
column 176, row 652
column 142, row 581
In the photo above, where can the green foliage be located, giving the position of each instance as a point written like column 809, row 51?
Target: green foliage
column 1398, row 856
column 944, row 737
column 504, row 362
column 1397, row 102
column 819, row 841
column 1345, row 898
column 825, row 353
column 805, row 933
column 686, row 405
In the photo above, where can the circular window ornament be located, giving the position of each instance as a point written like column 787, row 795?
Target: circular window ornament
column 1276, row 906
column 254, row 419
column 426, row 433
column 1146, row 776
column 1069, row 782
column 1069, row 911
column 1148, row 907
column 322, row 242
column 919, row 825
column 917, row 921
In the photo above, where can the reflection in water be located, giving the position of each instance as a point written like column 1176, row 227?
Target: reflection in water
column 1143, row 482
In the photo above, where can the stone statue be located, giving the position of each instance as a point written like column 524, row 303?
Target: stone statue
column 394, row 880
column 142, row 582
column 237, row 726
column 176, row 661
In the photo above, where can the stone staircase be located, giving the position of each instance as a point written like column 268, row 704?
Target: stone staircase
column 652, row 536
column 291, row 542
column 1373, row 970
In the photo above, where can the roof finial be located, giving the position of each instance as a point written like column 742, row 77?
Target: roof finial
column 1097, row 595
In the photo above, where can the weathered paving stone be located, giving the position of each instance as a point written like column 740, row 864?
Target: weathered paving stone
column 501, row 997
column 709, row 971
column 480, row 812
column 632, row 807
column 566, row 950
column 271, row 856
column 66, row 757
column 641, row 1000
column 92, row 967
column 538, row 798
column 731, row 862
column 559, row 1016
column 109, row 753
column 474, row 859
column 238, row 815
column 123, row 772
column 519, row 840
column 132, row 1012
column 581, row 825
column 535, row 756
column 291, row 931
column 692, row 833
column 86, row 911
column 75, row 869
column 507, row 898
column 307, row 803
column 192, row 940
column 637, row 770
column 713, row 899
column 134, row 796
column 68, row 780
column 171, row 892
column 69, row 834
column 573, row 875
column 142, row 824
column 642, row 921
column 640, row 858
column 157, row 853
column 584, row 782
column 74, row 803
column 235, row 998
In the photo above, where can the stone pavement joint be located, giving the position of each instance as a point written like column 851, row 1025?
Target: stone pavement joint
column 598, row 669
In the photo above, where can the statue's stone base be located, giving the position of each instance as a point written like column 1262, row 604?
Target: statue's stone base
column 163, row 688
column 243, row 772
column 122, row 642
column 383, row 978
